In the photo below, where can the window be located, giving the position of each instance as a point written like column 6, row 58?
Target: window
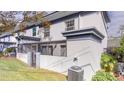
column 44, row 50
column 34, row 31
column 20, row 48
column 50, row 50
column 69, row 25
column 46, row 32
column 63, row 50
column 47, row 50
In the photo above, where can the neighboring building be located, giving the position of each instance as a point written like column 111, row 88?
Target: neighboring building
column 7, row 40
column 113, row 42
column 72, row 34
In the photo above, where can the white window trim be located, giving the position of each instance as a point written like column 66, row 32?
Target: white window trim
column 71, row 26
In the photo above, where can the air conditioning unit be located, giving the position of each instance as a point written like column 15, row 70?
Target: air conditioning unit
column 75, row 73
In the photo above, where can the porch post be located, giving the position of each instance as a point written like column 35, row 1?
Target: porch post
column 29, row 58
column 37, row 59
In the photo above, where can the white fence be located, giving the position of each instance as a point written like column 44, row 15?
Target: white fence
column 61, row 64
column 22, row 57
column 86, row 59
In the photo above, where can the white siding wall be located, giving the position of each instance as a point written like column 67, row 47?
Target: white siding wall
column 13, row 39
column 8, row 39
column 28, row 32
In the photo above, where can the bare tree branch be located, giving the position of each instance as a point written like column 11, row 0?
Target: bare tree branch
column 9, row 19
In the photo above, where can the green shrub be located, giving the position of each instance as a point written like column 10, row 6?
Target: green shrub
column 1, row 54
column 108, row 62
column 104, row 76
column 119, row 51
column 9, row 50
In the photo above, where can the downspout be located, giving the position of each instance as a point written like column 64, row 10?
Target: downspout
column 105, row 24
column 18, row 47
column 79, row 21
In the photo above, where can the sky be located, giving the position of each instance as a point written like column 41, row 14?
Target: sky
column 117, row 19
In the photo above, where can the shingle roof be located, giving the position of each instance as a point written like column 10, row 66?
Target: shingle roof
column 59, row 14
column 6, row 34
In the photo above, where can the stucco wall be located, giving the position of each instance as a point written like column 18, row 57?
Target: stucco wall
column 88, row 53
column 94, row 20
column 83, row 21
column 80, row 45
column 58, row 28
column 61, row 64
column 49, row 62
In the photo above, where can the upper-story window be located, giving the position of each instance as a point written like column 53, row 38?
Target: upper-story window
column 34, row 31
column 46, row 32
column 70, row 25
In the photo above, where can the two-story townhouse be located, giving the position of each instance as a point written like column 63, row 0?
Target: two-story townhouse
column 51, row 41
column 7, row 40
column 72, row 34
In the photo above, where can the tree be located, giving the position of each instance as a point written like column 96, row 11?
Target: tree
column 9, row 19
column 120, row 50
column 122, row 30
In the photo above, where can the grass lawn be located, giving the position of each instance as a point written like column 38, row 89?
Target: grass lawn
column 13, row 69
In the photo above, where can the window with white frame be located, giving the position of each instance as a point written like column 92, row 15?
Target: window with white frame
column 46, row 32
column 70, row 25
column 63, row 50
column 34, row 31
column 47, row 50
column 44, row 50
column 50, row 50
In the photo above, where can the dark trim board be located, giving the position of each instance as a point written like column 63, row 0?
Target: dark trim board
column 28, row 38
column 47, row 42
column 6, row 35
column 84, row 37
column 87, row 33
column 7, row 43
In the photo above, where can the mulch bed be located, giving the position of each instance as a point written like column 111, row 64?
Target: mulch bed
column 119, row 77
